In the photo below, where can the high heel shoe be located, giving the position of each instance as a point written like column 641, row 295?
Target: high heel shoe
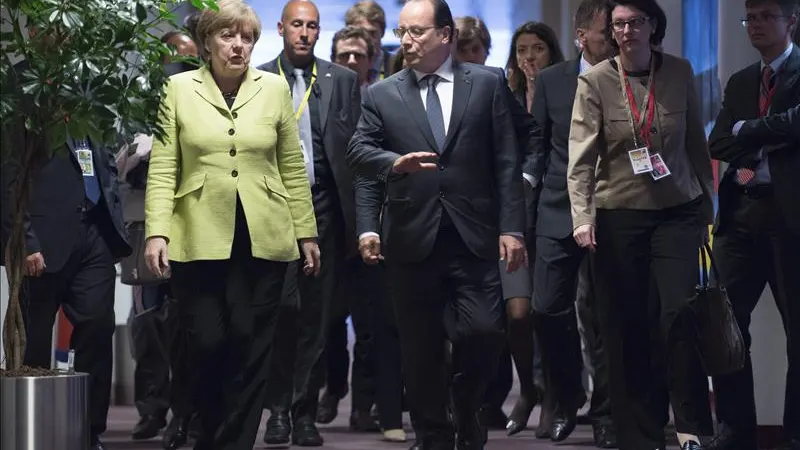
column 518, row 419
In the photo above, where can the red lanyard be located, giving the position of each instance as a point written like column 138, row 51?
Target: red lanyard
column 644, row 130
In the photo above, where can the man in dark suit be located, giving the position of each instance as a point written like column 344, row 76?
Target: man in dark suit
column 757, row 234
column 74, row 236
column 327, row 98
column 445, row 209
column 559, row 261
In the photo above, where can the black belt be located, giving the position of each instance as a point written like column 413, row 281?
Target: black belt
column 756, row 191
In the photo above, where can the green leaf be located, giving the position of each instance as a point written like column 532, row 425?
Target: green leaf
column 56, row 136
column 141, row 12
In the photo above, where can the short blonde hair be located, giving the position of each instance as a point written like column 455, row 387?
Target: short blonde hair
column 234, row 14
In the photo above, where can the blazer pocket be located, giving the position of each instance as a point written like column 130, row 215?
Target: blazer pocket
column 193, row 183
column 276, row 187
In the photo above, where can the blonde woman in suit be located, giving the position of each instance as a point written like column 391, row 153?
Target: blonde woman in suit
column 228, row 205
column 644, row 224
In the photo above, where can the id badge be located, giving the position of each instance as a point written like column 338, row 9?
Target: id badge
column 85, row 161
column 660, row 169
column 640, row 160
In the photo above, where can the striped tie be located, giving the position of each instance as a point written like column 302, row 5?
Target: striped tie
column 744, row 175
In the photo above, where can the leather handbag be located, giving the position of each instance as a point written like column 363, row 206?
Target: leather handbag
column 134, row 267
column 719, row 340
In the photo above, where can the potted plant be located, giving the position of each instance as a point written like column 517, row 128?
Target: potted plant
column 70, row 68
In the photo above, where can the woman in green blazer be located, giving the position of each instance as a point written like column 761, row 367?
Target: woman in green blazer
column 228, row 205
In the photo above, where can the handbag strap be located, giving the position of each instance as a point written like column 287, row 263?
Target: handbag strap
column 706, row 259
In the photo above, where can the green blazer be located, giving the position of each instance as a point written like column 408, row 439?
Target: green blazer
column 212, row 153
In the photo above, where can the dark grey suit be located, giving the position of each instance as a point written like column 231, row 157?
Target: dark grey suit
column 757, row 234
column 559, row 261
column 334, row 110
column 439, row 232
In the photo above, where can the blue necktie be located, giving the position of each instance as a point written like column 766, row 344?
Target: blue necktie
column 91, row 185
column 433, row 107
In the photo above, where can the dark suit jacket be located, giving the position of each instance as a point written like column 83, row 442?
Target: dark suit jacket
column 552, row 109
column 339, row 111
column 479, row 178
column 53, row 222
column 778, row 130
column 741, row 103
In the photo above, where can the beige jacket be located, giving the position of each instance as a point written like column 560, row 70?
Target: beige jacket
column 599, row 173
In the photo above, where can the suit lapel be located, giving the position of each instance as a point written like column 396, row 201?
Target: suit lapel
column 249, row 88
column 462, row 86
column 409, row 92
column 207, row 89
column 752, row 91
column 326, row 86
column 571, row 79
column 787, row 80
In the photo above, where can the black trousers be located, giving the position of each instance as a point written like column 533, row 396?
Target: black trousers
column 85, row 289
column 228, row 309
column 754, row 249
column 386, row 349
column 594, row 357
column 451, row 294
column 556, row 270
column 632, row 247
column 356, row 295
column 158, row 345
column 298, row 373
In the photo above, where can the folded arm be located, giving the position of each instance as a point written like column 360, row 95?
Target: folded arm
column 774, row 129
column 723, row 144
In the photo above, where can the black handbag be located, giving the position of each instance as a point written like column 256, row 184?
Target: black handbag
column 719, row 340
column 134, row 267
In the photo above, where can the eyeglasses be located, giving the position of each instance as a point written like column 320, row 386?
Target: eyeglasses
column 345, row 56
column 753, row 19
column 636, row 23
column 415, row 32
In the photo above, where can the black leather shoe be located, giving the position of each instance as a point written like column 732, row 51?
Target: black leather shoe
column 727, row 439
column 518, row 419
column 148, row 427
column 691, row 445
column 279, row 428
column 604, row 436
column 96, row 444
column 363, row 421
column 470, row 433
column 328, row 408
column 563, row 426
column 177, row 433
column 416, row 446
column 306, row 434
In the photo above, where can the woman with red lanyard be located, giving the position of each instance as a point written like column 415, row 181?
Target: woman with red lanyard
column 640, row 185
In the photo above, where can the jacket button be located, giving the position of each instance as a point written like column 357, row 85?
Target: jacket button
column 654, row 130
column 441, row 194
column 235, row 115
column 441, row 167
column 231, row 131
column 233, row 152
column 234, row 173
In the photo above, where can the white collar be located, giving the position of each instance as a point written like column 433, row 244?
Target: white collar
column 445, row 71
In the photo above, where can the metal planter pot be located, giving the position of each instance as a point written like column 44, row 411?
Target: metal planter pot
column 45, row 413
